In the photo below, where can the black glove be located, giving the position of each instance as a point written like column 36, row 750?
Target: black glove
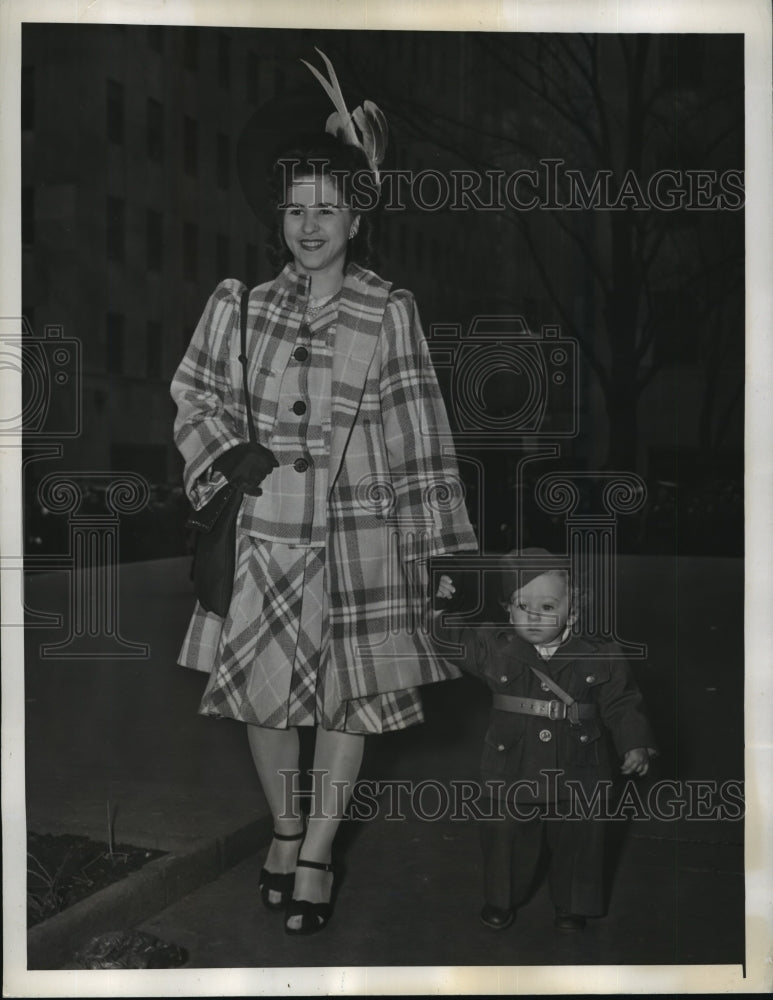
column 246, row 465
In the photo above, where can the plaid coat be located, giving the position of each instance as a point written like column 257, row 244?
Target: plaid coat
column 394, row 493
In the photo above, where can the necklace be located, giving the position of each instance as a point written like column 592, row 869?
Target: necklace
column 316, row 305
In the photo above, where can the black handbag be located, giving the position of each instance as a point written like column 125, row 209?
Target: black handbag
column 214, row 526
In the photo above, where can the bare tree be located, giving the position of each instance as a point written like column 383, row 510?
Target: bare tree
column 600, row 118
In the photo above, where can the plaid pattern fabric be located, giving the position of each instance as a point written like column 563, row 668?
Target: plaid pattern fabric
column 273, row 664
column 309, row 580
column 293, row 507
column 394, row 494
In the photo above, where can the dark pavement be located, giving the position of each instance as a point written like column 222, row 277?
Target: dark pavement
column 127, row 732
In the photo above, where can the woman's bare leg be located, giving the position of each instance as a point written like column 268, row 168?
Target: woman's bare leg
column 275, row 754
column 337, row 760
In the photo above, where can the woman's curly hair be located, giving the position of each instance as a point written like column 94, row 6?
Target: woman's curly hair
column 348, row 166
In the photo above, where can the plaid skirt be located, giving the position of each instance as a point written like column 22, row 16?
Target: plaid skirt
column 272, row 650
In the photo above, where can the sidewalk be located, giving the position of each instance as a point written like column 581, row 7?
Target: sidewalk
column 125, row 735
column 126, row 732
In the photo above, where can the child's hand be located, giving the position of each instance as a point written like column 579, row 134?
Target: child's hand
column 636, row 761
column 445, row 592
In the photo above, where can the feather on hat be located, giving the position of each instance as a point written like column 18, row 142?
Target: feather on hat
column 369, row 119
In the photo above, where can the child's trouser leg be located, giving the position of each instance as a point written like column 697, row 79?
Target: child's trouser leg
column 577, row 865
column 495, row 842
column 511, row 849
column 526, row 849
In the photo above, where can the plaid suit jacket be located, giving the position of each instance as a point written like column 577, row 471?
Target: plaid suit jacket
column 395, row 496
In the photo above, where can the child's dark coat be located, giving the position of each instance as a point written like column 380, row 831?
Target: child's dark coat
column 522, row 748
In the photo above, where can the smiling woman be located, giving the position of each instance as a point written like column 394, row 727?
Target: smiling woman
column 321, row 629
column 317, row 227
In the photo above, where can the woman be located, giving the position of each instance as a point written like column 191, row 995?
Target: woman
column 351, row 488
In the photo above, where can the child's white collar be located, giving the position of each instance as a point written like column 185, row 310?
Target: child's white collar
column 547, row 651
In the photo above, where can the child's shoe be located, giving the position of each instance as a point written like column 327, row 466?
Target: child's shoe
column 566, row 921
column 495, row 917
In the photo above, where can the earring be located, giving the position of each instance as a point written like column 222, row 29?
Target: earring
column 354, row 230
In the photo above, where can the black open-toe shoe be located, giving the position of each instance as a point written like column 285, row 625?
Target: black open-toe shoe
column 281, row 882
column 314, row 916
column 566, row 921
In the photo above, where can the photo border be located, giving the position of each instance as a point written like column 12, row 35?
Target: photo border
column 750, row 17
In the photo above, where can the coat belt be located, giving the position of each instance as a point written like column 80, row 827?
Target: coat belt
column 554, row 709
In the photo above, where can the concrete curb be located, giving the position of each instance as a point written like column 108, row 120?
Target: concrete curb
column 53, row 943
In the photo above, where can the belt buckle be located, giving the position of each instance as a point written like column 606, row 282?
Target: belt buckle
column 556, row 710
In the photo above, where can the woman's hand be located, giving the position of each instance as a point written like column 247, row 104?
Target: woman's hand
column 636, row 761
column 246, row 465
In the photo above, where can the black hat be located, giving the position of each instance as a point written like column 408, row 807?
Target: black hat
column 271, row 129
column 521, row 566
column 307, row 114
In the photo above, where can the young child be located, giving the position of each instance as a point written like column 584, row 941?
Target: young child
column 556, row 697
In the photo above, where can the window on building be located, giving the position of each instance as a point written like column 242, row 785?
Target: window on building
column 251, row 261
column 115, row 116
column 190, row 145
column 252, row 76
column 155, row 129
column 222, row 256
column 190, row 49
column 154, row 233
column 27, row 98
column 223, row 161
column 114, row 343
column 116, row 228
column 156, row 37
column 27, row 216
column 224, row 60
column 153, row 349
column 190, row 250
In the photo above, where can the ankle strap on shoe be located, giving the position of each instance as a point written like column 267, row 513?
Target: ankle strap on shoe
column 319, row 865
column 288, row 836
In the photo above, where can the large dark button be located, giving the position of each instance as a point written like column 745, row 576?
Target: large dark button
column 300, row 354
column 300, row 465
column 299, row 407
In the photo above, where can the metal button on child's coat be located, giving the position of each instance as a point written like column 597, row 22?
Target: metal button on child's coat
column 501, row 746
column 583, row 738
column 503, row 679
column 590, row 678
column 545, row 735
column 544, row 687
